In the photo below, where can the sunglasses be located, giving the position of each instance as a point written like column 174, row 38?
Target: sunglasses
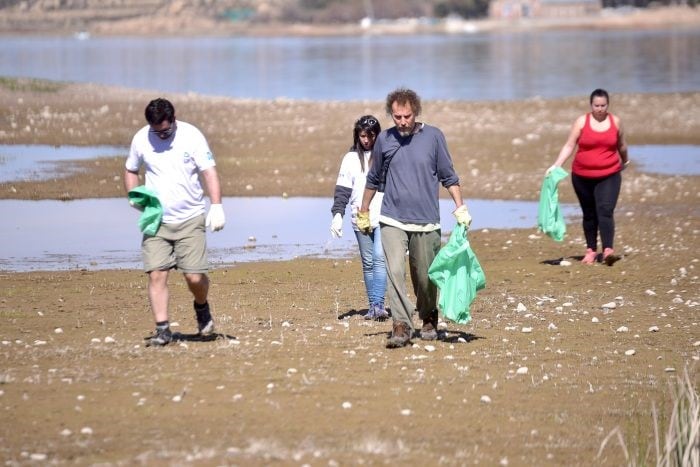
column 368, row 121
column 164, row 134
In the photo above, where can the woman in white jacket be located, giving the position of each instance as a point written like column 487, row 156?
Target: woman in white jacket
column 349, row 190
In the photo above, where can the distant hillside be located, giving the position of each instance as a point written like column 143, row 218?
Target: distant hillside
column 265, row 17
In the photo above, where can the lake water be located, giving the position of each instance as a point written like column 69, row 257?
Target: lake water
column 482, row 66
column 680, row 159
column 103, row 233
column 40, row 162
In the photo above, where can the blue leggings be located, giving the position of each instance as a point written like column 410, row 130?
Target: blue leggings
column 598, row 198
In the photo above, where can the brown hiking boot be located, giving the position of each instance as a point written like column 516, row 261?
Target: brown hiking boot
column 429, row 330
column 400, row 335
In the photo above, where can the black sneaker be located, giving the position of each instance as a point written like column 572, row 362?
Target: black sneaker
column 205, row 324
column 159, row 338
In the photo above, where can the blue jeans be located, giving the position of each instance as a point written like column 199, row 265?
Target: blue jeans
column 373, row 265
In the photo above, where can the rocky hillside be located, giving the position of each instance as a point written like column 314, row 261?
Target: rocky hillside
column 81, row 12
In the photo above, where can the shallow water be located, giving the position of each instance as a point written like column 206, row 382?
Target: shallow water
column 103, row 233
column 40, row 162
column 667, row 160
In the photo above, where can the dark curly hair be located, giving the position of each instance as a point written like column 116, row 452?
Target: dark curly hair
column 403, row 96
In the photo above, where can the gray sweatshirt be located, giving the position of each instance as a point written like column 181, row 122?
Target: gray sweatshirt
column 415, row 167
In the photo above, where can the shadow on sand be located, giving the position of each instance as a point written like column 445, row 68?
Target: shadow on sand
column 609, row 261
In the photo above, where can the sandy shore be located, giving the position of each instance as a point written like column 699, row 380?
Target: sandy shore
column 555, row 358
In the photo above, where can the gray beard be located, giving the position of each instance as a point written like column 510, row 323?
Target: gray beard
column 407, row 132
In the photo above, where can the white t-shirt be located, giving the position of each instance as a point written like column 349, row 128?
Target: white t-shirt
column 172, row 169
column 351, row 176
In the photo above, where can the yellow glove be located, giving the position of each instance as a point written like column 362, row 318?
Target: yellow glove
column 462, row 216
column 363, row 222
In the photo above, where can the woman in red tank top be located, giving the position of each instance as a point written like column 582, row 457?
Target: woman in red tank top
column 601, row 154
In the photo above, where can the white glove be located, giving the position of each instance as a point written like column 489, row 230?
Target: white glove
column 216, row 218
column 462, row 216
column 135, row 206
column 550, row 170
column 337, row 226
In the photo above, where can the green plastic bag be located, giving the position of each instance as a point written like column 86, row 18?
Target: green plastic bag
column 152, row 215
column 457, row 273
column 550, row 220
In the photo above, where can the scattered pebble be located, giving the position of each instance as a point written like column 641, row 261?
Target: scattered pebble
column 406, row 412
column 622, row 329
column 595, row 320
column 630, row 352
column 609, row 306
column 86, row 430
column 347, row 405
column 522, row 370
column 485, row 399
column 654, row 329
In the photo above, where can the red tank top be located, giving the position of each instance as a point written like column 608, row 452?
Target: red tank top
column 597, row 154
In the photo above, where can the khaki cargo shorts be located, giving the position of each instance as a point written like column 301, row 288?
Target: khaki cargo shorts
column 182, row 246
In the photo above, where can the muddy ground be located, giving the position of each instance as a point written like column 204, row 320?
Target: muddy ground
column 555, row 358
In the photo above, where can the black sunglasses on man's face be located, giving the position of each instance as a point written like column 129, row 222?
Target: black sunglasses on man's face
column 166, row 133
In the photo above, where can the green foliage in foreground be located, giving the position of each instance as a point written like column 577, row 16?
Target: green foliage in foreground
column 30, row 84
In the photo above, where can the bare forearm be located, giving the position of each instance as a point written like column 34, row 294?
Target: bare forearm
column 367, row 197
column 131, row 180
column 455, row 192
column 213, row 185
column 564, row 154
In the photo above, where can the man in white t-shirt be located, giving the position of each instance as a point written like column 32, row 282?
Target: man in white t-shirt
column 175, row 154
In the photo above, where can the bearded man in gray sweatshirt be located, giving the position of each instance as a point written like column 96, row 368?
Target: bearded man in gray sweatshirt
column 410, row 162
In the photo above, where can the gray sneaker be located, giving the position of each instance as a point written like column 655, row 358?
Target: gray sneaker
column 371, row 312
column 205, row 323
column 159, row 338
column 380, row 313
